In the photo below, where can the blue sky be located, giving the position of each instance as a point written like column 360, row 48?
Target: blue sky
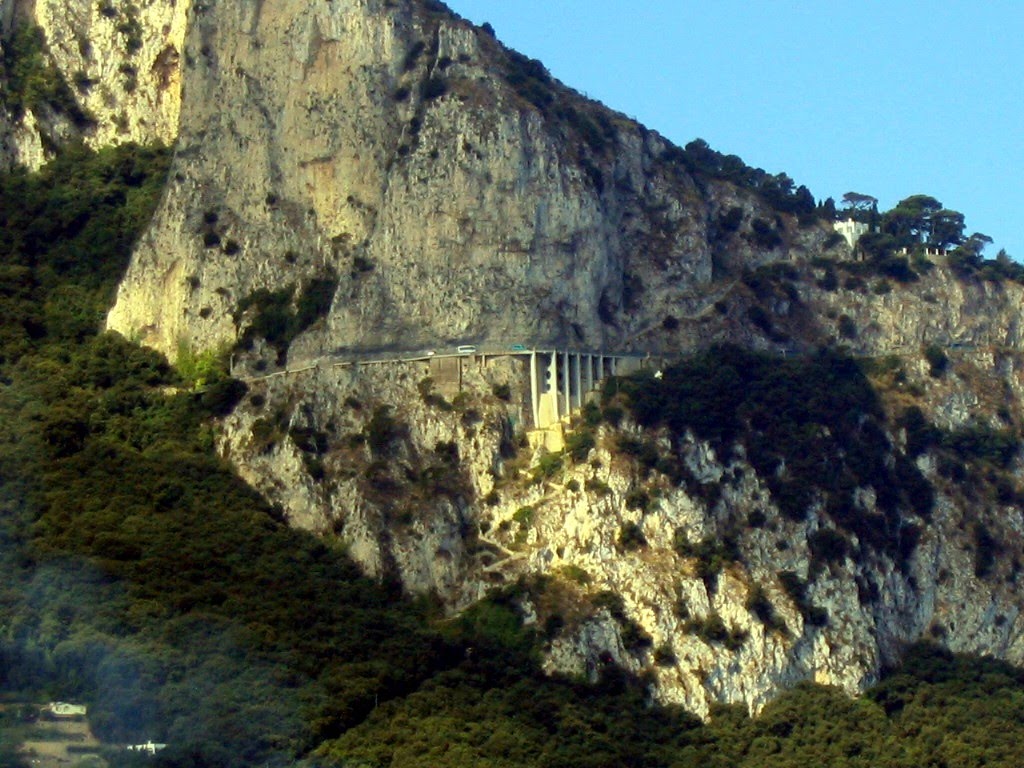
column 888, row 99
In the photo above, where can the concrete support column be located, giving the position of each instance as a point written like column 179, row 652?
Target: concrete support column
column 577, row 379
column 534, row 390
column 588, row 378
column 566, row 395
column 553, row 381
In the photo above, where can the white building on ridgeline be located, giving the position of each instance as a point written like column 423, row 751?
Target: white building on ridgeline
column 851, row 230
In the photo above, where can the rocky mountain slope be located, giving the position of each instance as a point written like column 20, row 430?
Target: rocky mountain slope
column 384, row 176
column 103, row 72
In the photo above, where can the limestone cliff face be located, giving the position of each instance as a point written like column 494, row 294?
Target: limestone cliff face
column 449, row 192
column 121, row 62
column 495, row 516
column 385, row 144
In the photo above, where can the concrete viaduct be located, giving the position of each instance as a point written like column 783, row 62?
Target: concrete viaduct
column 559, row 378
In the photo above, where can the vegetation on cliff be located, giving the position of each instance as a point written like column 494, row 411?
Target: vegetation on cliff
column 144, row 578
column 813, row 428
column 31, row 82
column 897, row 242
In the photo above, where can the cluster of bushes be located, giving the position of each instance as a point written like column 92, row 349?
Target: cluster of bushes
column 778, row 190
column 711, row 554
column 130, row 28
column 530, row 79
column 713, row 630
column 764, row 235
column 593, row 128
column 972, row 265
column 897, row 243
column 971, row 454
column 631, row 537
column 813, row 429
column 936, row 710
column 772, row 285
column 758, row 604
column 32, row 83
column 66, row 239
column 979, row 443
column 633, row 636
column 279, row 316
column 143, row 576
column 796, row 589
column 432, row 398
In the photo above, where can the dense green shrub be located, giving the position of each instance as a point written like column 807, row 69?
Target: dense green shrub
column 413, row 55
column 985, row 549
column 711, row 554
column 595, row 131
column 433, row 88
column 937, row 360
column 430, row 397
column 383, row 431
column 847, row 327
column 130, row 28
column 664, row 656
column 758, row 604
column 549, row 465
column 712, row 630
column 981, row 443
column 920, row 434
column 829, row 281
column 764, row 234
column 631, row 537
column 31, row 81
column 730, row 221
column 760, row 319
column 936, row 710
column 530, row 79
column 796, row 589
column 177, row 588
column 66, row 238
column 579, row 444
column 638, row 499
column 832, row 241
column 279, row 316
column 827, row 546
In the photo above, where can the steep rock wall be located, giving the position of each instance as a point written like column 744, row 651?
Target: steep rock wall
column 385, row 143
column 121, row 62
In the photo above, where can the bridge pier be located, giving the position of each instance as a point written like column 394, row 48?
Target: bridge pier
column 553, row 386
column 544, row 387
column 534, row 388
column 566, row 385
column 560, row 381
column 577, row 380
